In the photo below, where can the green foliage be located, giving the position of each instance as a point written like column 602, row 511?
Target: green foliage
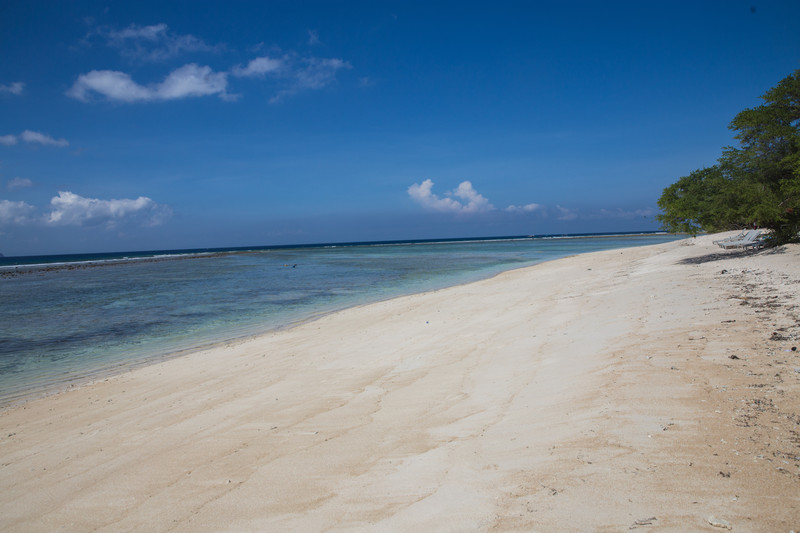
column 757, row 183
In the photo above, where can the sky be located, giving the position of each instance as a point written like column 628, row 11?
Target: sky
column 189, row 124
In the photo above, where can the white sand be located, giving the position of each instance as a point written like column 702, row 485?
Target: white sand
column 591, row 393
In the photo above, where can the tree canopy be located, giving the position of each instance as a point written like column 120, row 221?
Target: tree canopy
column 757, row 183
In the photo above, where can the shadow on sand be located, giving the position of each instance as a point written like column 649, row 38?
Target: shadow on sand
column 721, row 256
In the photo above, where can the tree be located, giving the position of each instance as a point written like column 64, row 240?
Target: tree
column 757, row 183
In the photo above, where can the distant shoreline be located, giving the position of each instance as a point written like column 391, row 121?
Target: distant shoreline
column 62, row 260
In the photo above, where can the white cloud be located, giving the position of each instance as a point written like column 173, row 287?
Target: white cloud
column 528, row 208
column 464, row 199
column 152, row 43
column 15, row 213
column 187, row 81
column 15, row 88
column 566, row 214
column 69, row 209
column 625, row 213
column 134, row 32
column 111, row 84
column 423, row 195
column 32, row 137
column 319, row 72
column 40, row 138
column 472, row 201
column 192, row 80
column 157, row 43
column 19, row 183
column 258, row 67
column 309, row 73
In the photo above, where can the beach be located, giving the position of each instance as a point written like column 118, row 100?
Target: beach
column 646, row 388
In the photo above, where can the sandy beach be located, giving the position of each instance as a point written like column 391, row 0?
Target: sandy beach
column 651, row 388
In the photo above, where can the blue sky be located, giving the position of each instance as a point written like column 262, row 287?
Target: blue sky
column 160, row 125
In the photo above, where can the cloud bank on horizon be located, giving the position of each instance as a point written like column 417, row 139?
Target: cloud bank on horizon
column 70, row 209
column 468, row 199
column 465, row 200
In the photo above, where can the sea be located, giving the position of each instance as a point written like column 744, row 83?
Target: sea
column 72, row 318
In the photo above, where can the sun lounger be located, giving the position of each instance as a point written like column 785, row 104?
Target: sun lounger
column 738, row 237
column 752, row 239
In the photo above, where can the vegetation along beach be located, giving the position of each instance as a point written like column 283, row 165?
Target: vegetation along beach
column 439, row 266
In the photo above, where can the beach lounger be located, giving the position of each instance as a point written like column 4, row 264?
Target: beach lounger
column 752, row 239
column 740, row 236
column 759, row 242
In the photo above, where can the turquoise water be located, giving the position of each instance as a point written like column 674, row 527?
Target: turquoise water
column 63, row 320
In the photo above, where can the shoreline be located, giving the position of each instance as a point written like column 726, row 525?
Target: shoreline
column 519, row 402
column 61, row 385
column 47, row 384
column 98, row 259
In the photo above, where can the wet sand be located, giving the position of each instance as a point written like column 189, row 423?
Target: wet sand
column 649, row 388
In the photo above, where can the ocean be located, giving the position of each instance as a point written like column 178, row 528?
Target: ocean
column 67, row 319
